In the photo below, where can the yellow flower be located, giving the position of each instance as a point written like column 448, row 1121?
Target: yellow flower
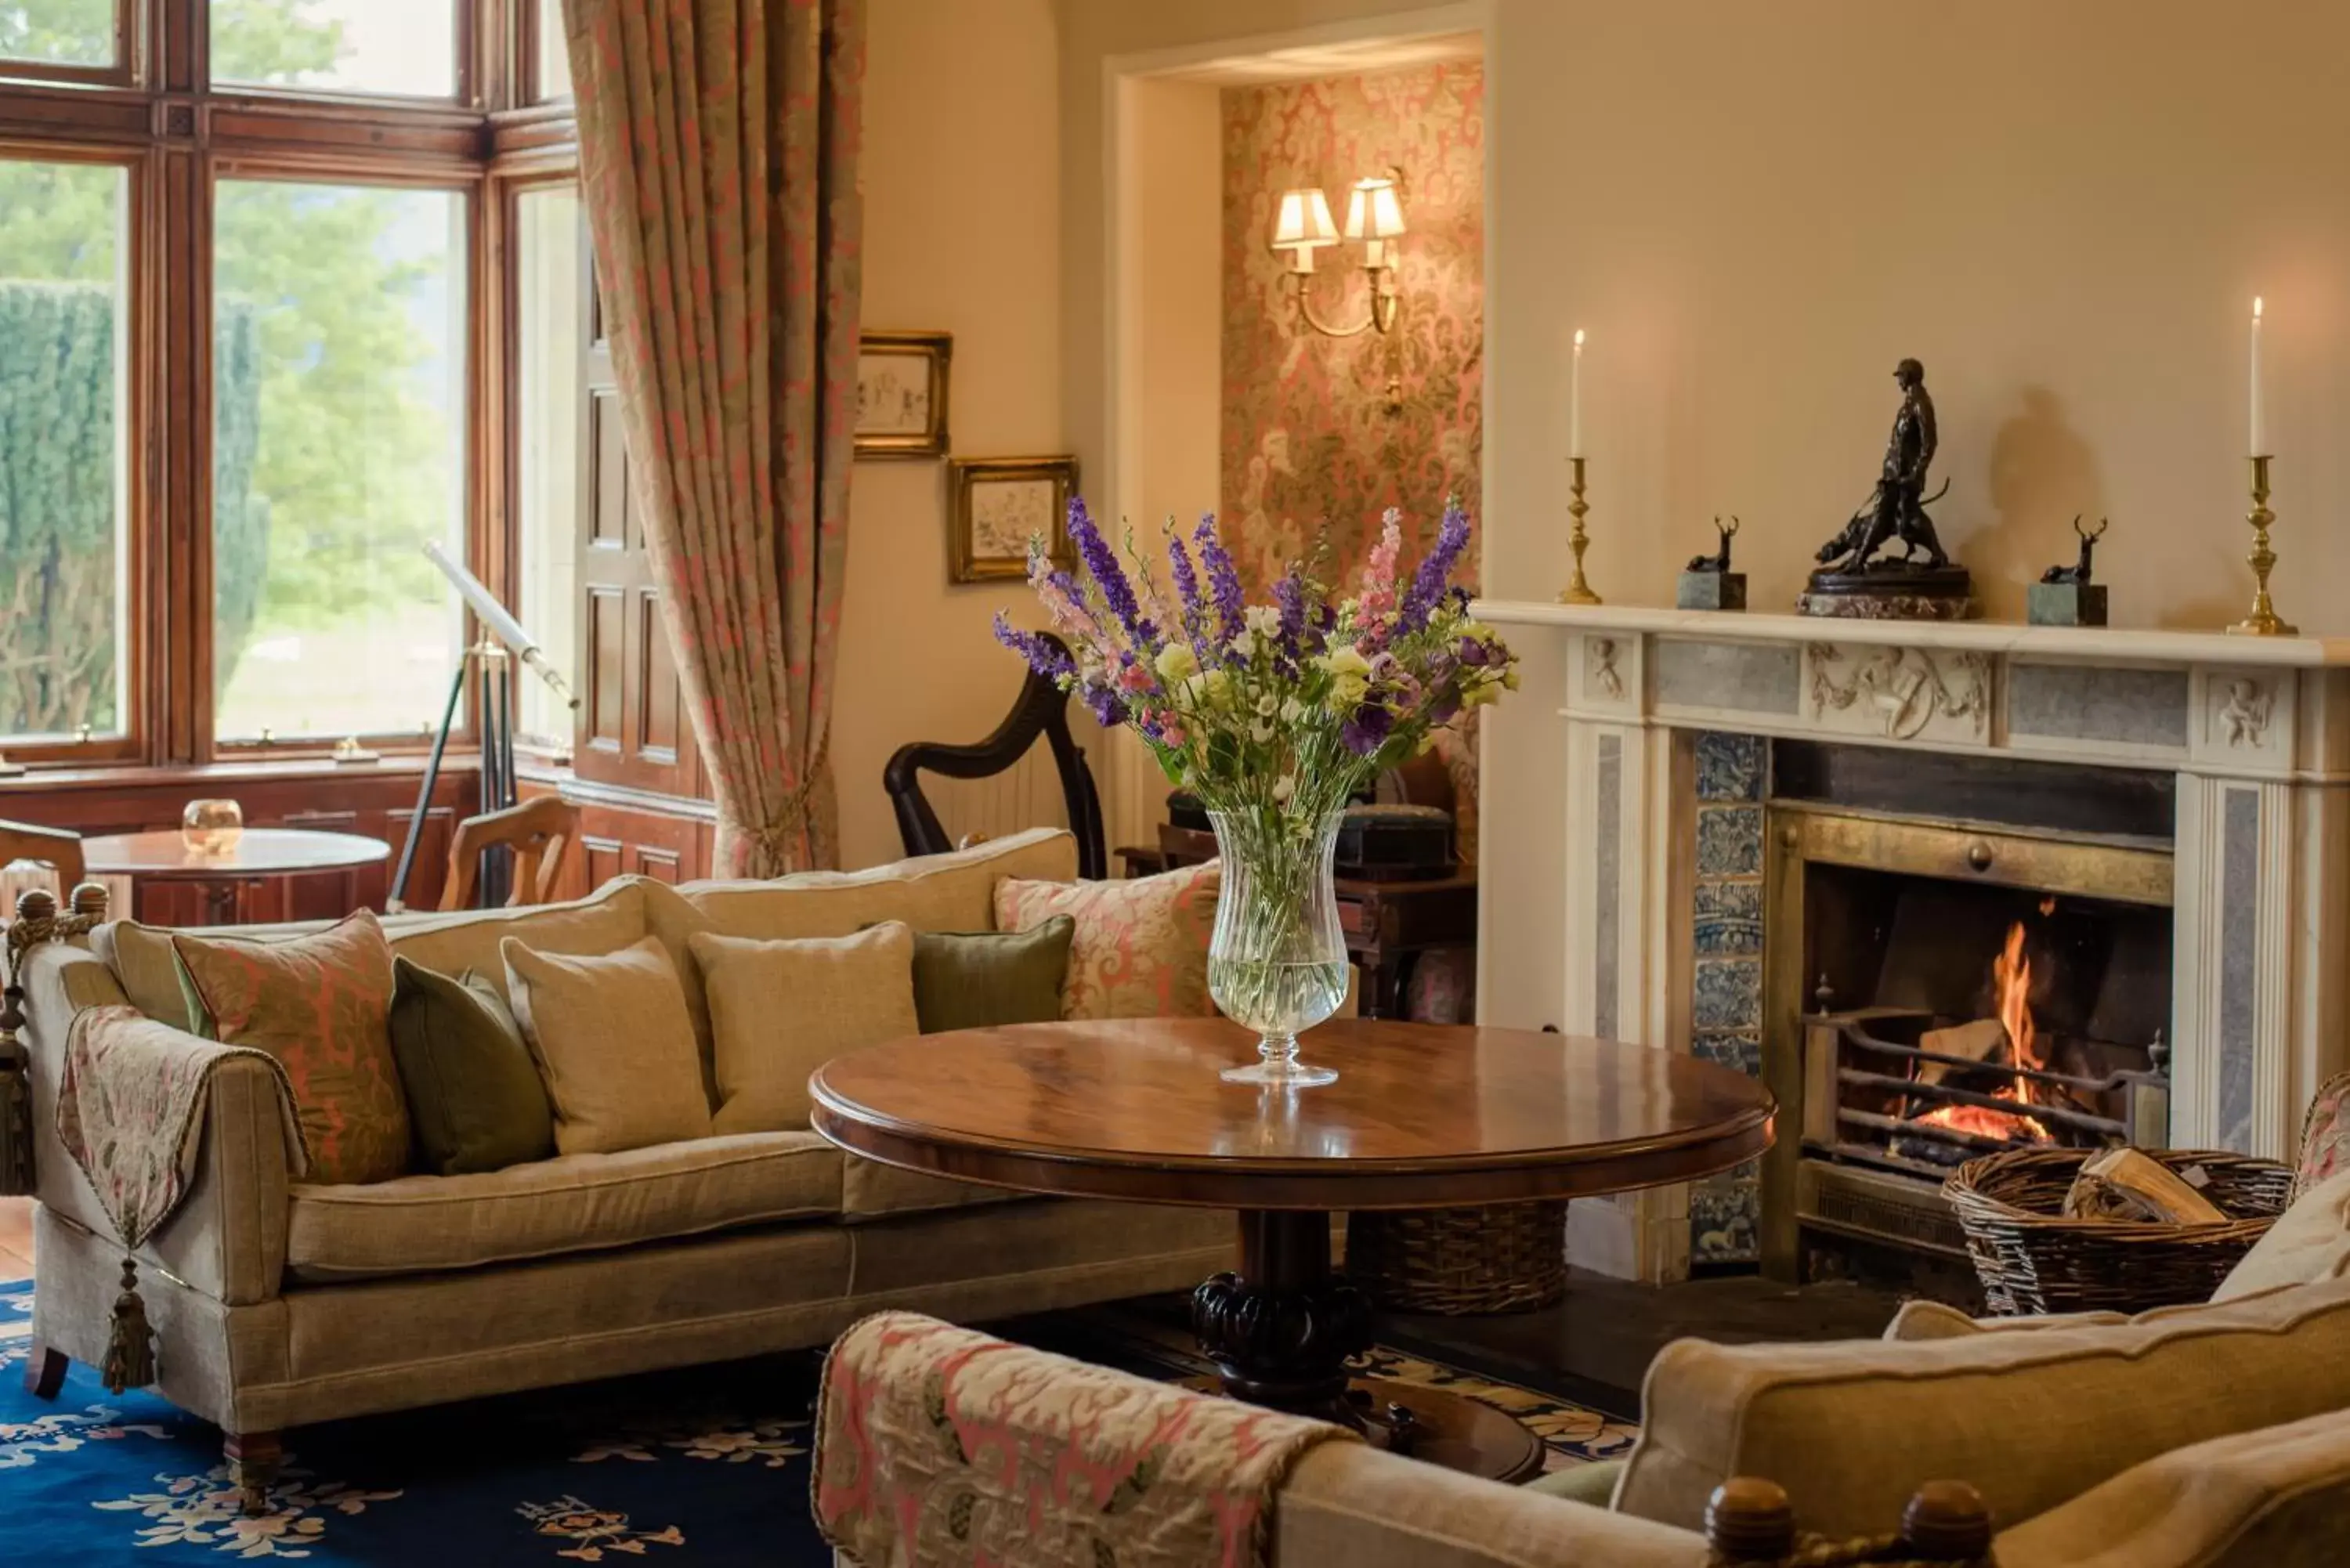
column 1177, row 663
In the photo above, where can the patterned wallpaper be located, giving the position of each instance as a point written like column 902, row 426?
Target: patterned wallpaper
column 1307, row 432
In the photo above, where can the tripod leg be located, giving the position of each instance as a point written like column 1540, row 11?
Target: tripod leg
column 397, row 896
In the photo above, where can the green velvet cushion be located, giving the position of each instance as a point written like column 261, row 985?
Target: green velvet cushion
column 1593, row 1483
column 474, row 1099
column 972, row 981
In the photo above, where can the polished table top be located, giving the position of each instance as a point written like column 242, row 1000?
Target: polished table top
column 1422, row 1116
column 258, row 851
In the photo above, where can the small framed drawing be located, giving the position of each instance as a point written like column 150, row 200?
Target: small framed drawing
column 1001, row 502
column 902, row 393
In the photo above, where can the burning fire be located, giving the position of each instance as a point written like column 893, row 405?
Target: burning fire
column 2010, row 974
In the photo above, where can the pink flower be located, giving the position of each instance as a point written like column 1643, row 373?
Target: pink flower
column 1172, row 734
column 1134, row 678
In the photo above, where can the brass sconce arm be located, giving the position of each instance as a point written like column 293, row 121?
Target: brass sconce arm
column 1385, row 305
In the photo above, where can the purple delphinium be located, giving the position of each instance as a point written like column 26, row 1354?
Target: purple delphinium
column 1101, row 565
column 1223, row 579
column 1428, row 584
column 1366, row 731
column 1298, row 636
column 1187, row 584
column 1044, row 656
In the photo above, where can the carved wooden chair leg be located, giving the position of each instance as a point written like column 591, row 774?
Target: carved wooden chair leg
column 253, row 1460
column 44, row 1371
column 1748, row 1519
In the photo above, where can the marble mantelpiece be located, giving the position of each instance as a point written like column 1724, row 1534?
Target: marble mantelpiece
column 1589, row 782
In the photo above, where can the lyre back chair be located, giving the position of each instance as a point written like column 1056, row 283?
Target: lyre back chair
column 539, row 832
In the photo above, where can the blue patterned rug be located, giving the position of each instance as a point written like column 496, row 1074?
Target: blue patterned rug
column 708, row 1466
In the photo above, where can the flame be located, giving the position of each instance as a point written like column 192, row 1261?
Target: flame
column 2010, row 974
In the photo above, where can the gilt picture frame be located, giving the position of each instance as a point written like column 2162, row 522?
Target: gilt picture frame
column 997, row 502
column 901, row 394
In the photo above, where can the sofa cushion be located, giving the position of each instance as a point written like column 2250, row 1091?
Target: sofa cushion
column 1921, row 1320
column 980, row 980
column 572, row 1203
column 610, row 918
column 2325, row 1134
column 613, row 1045
column 872, row 1190
column 778, row 1011
column 930, row 892
column 475, row 1100
column 1142, row 945
column 2310, row 1241
column 321, row 1006
column 1851, row 1428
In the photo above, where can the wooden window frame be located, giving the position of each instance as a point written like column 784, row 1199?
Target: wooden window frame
column 155, row 113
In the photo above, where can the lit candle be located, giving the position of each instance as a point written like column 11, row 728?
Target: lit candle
column 2260, row 424
column 1574, row 401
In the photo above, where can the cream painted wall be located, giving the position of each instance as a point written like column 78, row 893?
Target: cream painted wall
column 962, row 232
column 2062, row 209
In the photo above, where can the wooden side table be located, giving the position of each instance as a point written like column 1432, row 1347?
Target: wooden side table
column 247, row 884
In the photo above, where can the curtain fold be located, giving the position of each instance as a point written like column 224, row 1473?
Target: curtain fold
column 718, row 161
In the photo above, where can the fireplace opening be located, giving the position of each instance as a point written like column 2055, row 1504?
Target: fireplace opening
column 1950, row 1019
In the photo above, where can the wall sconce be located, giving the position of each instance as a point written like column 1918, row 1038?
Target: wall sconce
column 1302, row 225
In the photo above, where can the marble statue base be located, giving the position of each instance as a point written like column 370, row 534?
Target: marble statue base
column 1888, row 590
column 2066, row 603
column 1711, row 591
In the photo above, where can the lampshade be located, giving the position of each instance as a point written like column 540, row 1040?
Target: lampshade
column 1302, row 222
column 1373, row 210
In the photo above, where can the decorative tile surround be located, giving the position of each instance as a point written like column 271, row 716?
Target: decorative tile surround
column 1726, row 937
column 1632, row 768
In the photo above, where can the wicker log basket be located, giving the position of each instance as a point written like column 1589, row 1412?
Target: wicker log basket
column 1505, row 1257
column 2032, row 1259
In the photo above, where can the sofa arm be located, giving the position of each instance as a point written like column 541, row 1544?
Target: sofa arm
column 1353, row 1504
column 228, row 1237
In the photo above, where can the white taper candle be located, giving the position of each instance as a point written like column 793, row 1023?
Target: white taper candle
column 2260, row 422
column 1574, row 401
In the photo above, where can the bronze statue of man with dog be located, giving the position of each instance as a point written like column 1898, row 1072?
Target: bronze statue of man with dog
column 1898, row 508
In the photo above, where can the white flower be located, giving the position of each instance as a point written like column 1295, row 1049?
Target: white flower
column 1177, row 662
column 1292, row 710
column 1262, row 619
column 1266, row 706
column 1283, row 787
column 1344, row 662
column 1245, row 644
column 1261, row 731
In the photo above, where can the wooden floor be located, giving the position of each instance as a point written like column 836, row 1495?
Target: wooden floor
column 16, row 1238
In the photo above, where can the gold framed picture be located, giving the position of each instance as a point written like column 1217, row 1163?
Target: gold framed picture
column 998, row 503
column 902, row 393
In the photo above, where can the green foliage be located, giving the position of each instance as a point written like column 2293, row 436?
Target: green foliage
column 58, row 32
column 240, row 517
column 268, row 41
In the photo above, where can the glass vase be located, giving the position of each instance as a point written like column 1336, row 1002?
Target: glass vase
column 1278, row 962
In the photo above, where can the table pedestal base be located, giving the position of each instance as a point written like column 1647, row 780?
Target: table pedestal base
column 1282, row 1328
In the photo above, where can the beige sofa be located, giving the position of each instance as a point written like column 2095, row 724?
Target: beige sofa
column 2211, row 1436
column 279, row 1303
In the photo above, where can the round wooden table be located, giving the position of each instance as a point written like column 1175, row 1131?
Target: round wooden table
column 1422, row 1116
column 235, row 882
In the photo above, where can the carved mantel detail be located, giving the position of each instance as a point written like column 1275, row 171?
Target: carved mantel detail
column 2244, row 712
column 1604, row 673
column 1902, row 690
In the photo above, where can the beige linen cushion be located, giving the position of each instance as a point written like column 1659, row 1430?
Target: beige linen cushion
column 780, row 1010
column 2310, row 1241
column 613, row 1043
column 1922, row 1320
column 2032, row 1418
column 929, row 892
column 568, row 1204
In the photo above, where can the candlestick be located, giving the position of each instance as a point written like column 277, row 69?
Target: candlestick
column 2260, row 445
column 2264, row 620
column 1574, row 401
column 1577, row 591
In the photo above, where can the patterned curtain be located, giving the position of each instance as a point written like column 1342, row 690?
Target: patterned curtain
column 718, row 151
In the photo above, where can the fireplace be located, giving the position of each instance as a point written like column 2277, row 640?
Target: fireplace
column 1958, row 964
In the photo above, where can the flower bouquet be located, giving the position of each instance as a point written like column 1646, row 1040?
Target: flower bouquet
column 1274, row 715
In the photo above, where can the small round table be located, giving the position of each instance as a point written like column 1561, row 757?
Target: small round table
column 1422, row 1116
column 245, row 883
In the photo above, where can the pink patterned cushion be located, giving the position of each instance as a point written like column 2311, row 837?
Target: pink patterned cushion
column 1141, row 946
column 2325, row 1135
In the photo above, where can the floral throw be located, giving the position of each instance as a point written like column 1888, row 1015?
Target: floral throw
column 2325, row 1135
column 939, row 1447
column 1140, row 949
column 130, row 1112
column 718, row 149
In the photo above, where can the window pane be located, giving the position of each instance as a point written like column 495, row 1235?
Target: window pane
column 554, row 52
column 395, row 48
column 338, row 450
column 551, row 289
column 63, row 433
column 58, row 32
